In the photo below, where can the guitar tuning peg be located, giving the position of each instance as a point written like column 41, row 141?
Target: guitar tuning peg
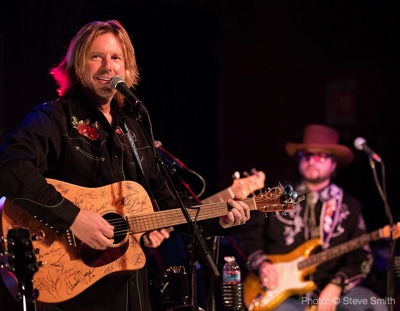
column 10, row 267
column 29, row 254
column 10, row 255
column 254, row 171
column 25, row 242
column 33, row 267
column 289, row 192
column 236, row 175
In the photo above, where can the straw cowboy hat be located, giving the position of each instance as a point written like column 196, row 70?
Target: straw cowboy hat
column 325, row 138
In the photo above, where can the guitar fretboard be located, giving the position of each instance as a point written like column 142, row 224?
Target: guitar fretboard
column 339, row 250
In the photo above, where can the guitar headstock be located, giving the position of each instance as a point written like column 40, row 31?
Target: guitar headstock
column 243, row 187
column 394, row 233
column 277, row 199
column 21, row 261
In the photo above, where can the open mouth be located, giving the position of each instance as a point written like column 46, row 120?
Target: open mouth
column 104, row 79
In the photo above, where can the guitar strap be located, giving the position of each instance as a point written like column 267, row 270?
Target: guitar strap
column 133, row 147
column 331, row 198
column 144, row 183
column 131, row 141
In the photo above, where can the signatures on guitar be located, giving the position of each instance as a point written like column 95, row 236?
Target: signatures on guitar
column 70, row 267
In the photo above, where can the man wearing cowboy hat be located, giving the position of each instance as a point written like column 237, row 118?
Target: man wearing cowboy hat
column 328, row 217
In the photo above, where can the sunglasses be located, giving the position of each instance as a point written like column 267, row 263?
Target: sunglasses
column 317, row 156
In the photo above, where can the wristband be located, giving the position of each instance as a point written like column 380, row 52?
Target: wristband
column 339, row 281
column 255, row 261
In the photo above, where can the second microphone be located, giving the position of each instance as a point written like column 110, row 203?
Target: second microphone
column 168, row 157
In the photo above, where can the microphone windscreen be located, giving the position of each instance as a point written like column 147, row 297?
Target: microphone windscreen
column 115, row 80
column 359, row 142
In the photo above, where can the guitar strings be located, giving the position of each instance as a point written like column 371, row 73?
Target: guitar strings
column 123, row 226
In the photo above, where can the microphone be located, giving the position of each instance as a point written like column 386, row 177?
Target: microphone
column 361, row 144
column 117, row 83
column 168, row 157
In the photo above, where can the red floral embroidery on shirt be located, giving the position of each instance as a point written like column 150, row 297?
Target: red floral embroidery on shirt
column 84, row 128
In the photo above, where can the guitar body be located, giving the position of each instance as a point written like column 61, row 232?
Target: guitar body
column 291, row 279
column 69, row 266
column 294, row 266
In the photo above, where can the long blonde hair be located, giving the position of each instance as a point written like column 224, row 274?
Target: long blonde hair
column 69, row 73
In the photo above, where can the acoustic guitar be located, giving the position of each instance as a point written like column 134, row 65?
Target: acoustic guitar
column 70, row 266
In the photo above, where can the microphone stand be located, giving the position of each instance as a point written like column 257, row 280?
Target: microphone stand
column 215, row 244
column 392, row 243
column 193, row 228
column 204, row 246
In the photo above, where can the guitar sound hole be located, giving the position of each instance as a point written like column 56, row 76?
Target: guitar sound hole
column 98, row 258
column 121, row 227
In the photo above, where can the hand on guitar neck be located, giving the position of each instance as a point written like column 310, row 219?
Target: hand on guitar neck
column 72, row 266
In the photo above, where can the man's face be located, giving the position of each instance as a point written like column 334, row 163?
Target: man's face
column 106, row 60
column 316, row 165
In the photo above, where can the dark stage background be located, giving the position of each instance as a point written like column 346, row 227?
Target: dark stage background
column 227, row 83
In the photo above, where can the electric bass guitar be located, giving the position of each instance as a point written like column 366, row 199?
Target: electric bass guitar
column 21, row 263
column 295, row 265
column 70, row 266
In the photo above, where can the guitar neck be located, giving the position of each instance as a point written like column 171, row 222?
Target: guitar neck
column 167, row 218
column 221, row 196
column 241, row 187
column 340, row 250
column 73, row 267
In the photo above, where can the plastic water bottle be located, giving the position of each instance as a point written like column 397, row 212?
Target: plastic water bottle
column 231, row 271
column 231, row 288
